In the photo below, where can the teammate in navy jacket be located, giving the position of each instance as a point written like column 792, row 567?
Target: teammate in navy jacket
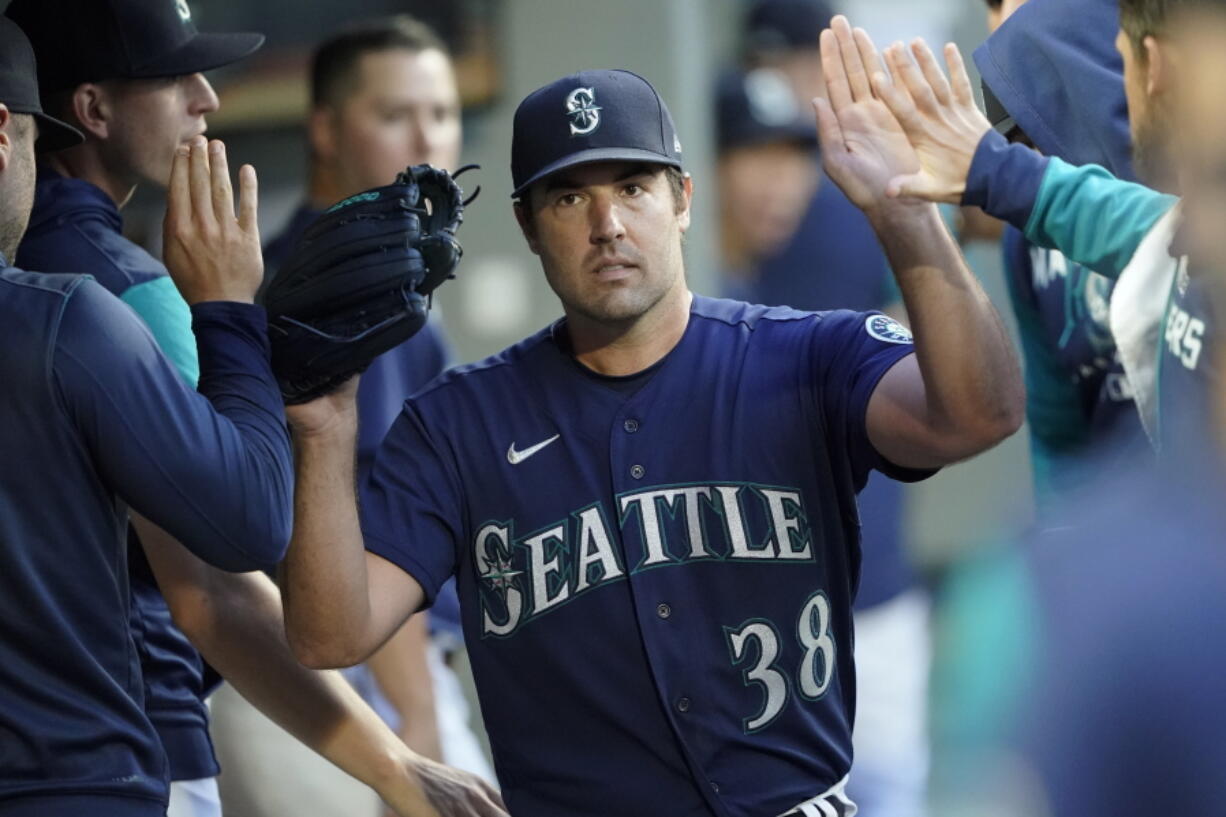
column 650, row 505
column 94, row 415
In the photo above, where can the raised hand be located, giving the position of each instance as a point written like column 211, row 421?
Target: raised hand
column 863, row 146
column 212, row 254
column 939, row 117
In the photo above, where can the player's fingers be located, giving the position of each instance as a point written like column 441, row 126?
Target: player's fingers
column 932, row 72
column 178, row 192
column 837, row 89
column 963, row 94
column 829, row 131
column 223, row 193
column 907, row 72
column 248, row 199
column 201, row 184
column 899, row 102
column 857, row 77
column 869, row 57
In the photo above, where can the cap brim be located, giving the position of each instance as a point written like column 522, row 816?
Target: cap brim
column 586, row 157
column 55, row 135
column 203, row 52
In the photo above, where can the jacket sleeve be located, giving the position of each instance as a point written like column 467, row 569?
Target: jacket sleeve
column 1087, row 214
column 211, row 468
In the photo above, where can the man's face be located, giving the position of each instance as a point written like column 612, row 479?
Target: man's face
column 609, row 238
column 151, row 118
column 405, row 110
column 764, row 191
column 19, row 174
column 1200, row 134
column 1146, row 120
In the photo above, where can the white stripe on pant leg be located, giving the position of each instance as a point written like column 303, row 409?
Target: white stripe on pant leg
column 194, row 798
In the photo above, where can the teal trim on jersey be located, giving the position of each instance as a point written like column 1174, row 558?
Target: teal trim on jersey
column 1059, row 429
column 162, row 308
column 1092, row 217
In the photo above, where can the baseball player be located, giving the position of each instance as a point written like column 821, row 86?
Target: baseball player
column 94, row 419
column 129, row 76
column 649, row 505
column 1053, row 79
column 1120, row 229
column 384, row 97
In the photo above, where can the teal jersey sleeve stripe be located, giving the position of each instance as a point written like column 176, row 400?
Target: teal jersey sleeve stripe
column 1092, row 217
column 162, row 308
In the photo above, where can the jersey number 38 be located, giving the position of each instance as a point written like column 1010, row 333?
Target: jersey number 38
column 816, row 669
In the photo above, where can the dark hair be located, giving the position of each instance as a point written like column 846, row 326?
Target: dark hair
column 994, row 4
column 332, row 66
column 1144, row 18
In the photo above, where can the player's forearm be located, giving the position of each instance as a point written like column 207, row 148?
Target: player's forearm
column 402, row 670
column 245, row 641
column 324, row 580
column 1086, row 213
column 972, row 379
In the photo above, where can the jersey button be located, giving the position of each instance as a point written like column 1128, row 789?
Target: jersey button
column 637, row 471
column 683, row 704
column 631, row 426
column 664, row 611
column 715, row 788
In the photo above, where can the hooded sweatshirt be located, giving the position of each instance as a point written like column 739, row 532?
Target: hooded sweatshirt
column 1054, row 68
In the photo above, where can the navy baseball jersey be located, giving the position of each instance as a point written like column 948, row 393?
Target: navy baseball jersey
column 95, row 419
column 656, row 572
column 76, row 227
column 853, row 274
column 1188, row 370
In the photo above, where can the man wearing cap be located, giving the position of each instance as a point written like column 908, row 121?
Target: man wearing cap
column 649, row 506
column 127, row 73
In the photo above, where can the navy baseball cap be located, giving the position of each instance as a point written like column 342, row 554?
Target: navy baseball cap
column 19, row 89
column 91, row 40
column 758, row 107
column 591, row 116
column 785, row 25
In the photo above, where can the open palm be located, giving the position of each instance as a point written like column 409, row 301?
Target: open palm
column 863, row 146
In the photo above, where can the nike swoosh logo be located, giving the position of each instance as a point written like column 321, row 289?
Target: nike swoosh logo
column 516, row 457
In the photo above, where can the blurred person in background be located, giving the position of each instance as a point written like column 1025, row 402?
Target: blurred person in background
column 1137, row 614
column 1053, row 80
column 1050, row 69
column 384, row 97
column 137, row 94
column 824, row 255
column 1094, row 578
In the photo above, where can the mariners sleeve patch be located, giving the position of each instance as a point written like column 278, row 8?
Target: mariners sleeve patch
column 885, row 328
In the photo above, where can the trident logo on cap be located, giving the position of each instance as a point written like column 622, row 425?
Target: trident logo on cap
column 185, row 13
column 583, row 111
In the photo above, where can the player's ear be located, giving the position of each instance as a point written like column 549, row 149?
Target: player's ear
column 93, row 109
column 527, row 226
column 687, row 192
column 6, row 137
column 1157, row 65
column 321, row 132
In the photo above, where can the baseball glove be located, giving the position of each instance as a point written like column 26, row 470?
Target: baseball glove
column 360, row 280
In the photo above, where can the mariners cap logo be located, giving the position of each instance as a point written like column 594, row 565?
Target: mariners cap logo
column 885, row 328
column 583, row 111
column 185, row 13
